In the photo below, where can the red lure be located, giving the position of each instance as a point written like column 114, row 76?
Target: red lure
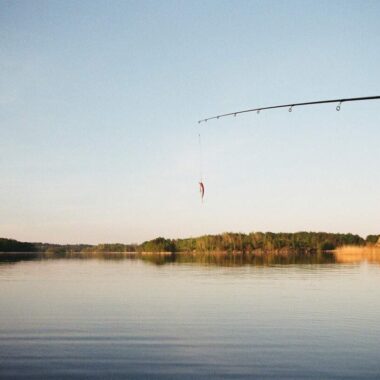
column 202, row 189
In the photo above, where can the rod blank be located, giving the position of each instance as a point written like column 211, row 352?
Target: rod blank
column 292, row 105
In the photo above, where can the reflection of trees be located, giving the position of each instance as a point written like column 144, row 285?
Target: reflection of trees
column 358, row 254
column 258, row 258
column 235, row 260
column 14, row 257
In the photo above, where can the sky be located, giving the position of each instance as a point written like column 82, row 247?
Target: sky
column 99, row 102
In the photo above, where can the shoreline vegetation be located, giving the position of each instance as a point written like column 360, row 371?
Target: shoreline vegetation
column 255, row 243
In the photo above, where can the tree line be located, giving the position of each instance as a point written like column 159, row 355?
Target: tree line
column 263, row 241
column 11, row 245
column 226, row 242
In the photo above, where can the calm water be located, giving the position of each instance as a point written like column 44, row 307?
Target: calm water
column 134, row 319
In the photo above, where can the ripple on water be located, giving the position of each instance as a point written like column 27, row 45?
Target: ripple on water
column 129, row 319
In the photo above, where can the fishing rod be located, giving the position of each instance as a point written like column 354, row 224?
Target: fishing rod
column 291, row 105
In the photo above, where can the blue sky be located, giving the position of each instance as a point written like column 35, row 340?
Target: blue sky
column 99, row 103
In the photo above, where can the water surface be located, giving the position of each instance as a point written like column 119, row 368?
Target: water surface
column 94, row 318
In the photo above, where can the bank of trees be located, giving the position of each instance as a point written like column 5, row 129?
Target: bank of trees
column 10, row 245
column 111, row 247
column 373, row 239
column 226, row 242
column 265, row 241
column 158, row 245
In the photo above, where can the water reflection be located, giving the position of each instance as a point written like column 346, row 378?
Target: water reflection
column 216, row 316
column 344, row 255
column 236, row 260
column 358, row 255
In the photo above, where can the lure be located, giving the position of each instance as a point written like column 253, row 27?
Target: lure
column 202, row 189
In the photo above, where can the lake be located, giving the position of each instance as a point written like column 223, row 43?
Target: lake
column 189, row 319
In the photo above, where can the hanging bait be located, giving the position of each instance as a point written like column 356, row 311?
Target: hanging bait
column 202, row 189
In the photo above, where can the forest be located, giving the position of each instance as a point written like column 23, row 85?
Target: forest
column 302, row 242
column 255, row 241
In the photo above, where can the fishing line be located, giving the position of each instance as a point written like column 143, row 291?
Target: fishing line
column 200, row 158
column 201, row 185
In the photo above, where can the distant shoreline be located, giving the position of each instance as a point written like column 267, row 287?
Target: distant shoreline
column 254, row 243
